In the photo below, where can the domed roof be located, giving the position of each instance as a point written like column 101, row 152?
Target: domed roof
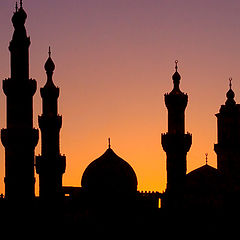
column 205, row 177
column 176, row 77
column 109, row 173
column 230, row 94
column 49, row 65
column 205, row 170
column 19, row 16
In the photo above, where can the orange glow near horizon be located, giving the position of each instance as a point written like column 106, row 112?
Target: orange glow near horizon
column 114, row 62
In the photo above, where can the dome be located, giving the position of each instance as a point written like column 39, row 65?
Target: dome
column 49, row 65
column 204, row 178
column 205, row 188
column 109, row 173
column 230, row 97
column 176, row 77
column 19, row 17
column 230, row 94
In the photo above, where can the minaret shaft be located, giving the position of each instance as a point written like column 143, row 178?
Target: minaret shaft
column 51, row 164
column 20, row 57
column 175, row 142
column 19, row 138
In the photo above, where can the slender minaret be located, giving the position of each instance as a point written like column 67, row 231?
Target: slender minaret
column 228, row 146
column 175, row 142
column 51, row 164
column 19, row 138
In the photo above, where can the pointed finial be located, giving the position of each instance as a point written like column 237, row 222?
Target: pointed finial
column 49, row 51
column 206, row 155
column 230, row 83
column 109, row 143
column 21, row 3
column 16, row 7
column 176, row 65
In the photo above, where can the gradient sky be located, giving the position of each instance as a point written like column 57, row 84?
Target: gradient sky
column 114, row 61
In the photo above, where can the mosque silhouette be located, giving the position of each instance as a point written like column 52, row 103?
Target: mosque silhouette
column 108, row 200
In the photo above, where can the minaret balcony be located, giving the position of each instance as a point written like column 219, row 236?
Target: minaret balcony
column 12, row 137
column 178, row 102
column 50, row 122
column 176, row 142
column 17, row 88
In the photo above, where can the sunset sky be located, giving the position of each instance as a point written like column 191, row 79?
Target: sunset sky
column 114, row 62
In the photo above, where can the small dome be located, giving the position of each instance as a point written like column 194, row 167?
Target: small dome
column 230, row 94
column 109, row 173
column 204, row 188
column 49, row 65
column 176, row 76
column 230, row 97
column 19, row 17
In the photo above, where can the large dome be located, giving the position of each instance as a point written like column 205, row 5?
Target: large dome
column 204, row 188
column 109, row 173
column 204, row 179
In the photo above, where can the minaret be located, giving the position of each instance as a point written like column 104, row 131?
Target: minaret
column 51, row 164
column 228, row 131
column 175, row 142
column 19, row 138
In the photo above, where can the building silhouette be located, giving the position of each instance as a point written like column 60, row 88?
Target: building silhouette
column 108, row 200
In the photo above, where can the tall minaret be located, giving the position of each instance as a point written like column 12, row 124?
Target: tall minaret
column 51, row 164
column 228, row 146
column 19, row 138
column 175, row 142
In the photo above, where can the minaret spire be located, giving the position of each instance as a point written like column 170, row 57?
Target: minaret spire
column 16, row 7
column 206, row 158
column 49, row 51
column 21, row 3
column 230, row 83
column 176, row 65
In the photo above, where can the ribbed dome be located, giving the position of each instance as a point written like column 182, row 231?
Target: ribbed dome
column 109, row 173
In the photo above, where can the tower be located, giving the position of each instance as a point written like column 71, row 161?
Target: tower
column 228, row 136
column 51, row 164
column 175, row 142
column 19, row 138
